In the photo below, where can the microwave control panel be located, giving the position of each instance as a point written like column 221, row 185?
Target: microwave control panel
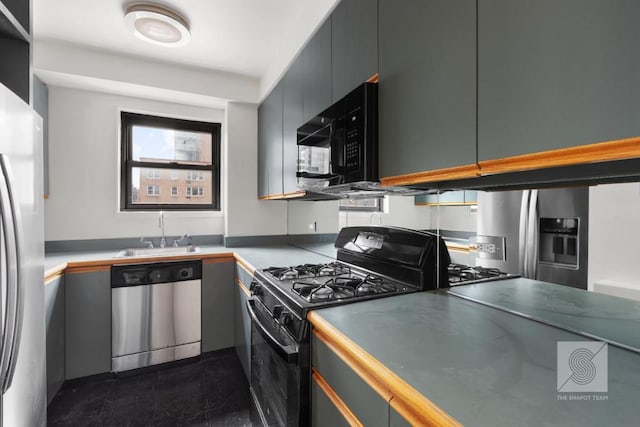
column 353, row 154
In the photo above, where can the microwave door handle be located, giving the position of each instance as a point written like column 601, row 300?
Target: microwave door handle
column 287, row 352
column 522, row 236
column 11, row 286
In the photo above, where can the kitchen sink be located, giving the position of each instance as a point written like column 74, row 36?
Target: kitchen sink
column 172, row 250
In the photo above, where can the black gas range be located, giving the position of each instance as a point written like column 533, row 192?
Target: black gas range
column 372, row 262
column 460, row 274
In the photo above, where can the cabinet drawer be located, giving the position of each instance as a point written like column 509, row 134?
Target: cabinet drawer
column 326, row 407
column 365, row 403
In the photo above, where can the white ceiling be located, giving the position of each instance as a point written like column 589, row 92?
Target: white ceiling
column 252, row 38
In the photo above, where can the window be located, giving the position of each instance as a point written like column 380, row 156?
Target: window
column 153, row 190
column 153, row 174
column 363, row 205
column 160, row 152
column 195, row 192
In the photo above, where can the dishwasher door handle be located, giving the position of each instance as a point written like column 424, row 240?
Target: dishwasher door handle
column 286, row 352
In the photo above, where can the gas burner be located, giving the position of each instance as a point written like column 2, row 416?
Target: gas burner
column 334, row 269
column 459, row 273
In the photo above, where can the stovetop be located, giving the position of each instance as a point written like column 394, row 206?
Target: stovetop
column 319, row 285
column 460, row 274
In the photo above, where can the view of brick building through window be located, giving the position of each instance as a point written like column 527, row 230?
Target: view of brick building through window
column 176, row 186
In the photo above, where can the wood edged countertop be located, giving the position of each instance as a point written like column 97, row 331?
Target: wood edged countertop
column 446, row 360
column 251, row 258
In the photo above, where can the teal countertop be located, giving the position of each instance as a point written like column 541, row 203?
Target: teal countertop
column 604, row 317
column 258, row 256
column 484, row 366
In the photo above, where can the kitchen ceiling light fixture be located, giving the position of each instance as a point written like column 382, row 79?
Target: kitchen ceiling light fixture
column 157, row 24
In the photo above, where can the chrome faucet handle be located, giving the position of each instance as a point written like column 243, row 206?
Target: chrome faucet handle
column 184, row 236
column 149, row 243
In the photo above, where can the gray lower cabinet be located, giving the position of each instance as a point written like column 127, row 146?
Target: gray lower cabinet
column 87, row 307
column 427, row 87
column 363, row 401
column 217, row 312
column 242, row 321
column 554, row 74
column 54, row 317
column 323, row 411
column 292, row 119
column 317, row 72
column 354, row 45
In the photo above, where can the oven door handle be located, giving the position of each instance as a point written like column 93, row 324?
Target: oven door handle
column 287, row 352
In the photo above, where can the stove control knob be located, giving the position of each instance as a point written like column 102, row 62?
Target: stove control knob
column 255, row 288
column 277, row 310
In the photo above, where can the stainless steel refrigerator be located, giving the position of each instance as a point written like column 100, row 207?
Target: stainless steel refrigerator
column 538, row 234
column 22, row 355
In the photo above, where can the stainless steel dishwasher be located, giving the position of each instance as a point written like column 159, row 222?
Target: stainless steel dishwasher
column 155, row 313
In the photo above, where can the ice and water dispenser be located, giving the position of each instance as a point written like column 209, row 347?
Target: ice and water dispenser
column 559, row 241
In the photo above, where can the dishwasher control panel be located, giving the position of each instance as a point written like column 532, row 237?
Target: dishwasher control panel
column 162, row 272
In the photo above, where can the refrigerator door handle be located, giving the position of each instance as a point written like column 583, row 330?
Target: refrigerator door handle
column 532, row 236
column 522, row 241
column 12, row 292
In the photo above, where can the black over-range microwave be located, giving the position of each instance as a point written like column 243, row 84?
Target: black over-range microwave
column 340, row 145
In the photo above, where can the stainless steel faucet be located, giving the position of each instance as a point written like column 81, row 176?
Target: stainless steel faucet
column 163, row 241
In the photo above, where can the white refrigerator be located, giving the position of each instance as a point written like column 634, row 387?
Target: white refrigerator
column 22, row 352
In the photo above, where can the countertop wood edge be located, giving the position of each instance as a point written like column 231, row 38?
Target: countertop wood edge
column 54, row 272
column 243, row 287
column 412, row 405
column 106, row 263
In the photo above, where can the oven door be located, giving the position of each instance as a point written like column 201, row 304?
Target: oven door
column 276, row 374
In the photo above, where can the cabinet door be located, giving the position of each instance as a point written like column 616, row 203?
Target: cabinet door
column 87, row 323
column 263, row 178
column 291, row 119
column 242, row 321
column 354, row 45
column 324, row 412
column 54, row 306
column 217, row 311
column 317, row 72
column 427, row 89
column 555, row 74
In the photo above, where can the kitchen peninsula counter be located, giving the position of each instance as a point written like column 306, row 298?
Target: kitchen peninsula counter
column 437, row 353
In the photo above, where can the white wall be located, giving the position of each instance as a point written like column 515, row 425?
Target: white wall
column 83, row 163
column 398, row 210
column 456, row 218
column 312, row 217
column 246, row 215
column 614, row 233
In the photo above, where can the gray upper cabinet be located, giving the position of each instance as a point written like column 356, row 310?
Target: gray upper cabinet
column 354, row 45
column 263, row 179
column 427, row 89
column 270, row 143
column 555, row 74
column 292, row 119
column 316, row 57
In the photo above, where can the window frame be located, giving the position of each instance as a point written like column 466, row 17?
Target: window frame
column 127, row 121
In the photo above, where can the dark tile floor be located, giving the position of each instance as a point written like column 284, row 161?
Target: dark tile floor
column 211, row 392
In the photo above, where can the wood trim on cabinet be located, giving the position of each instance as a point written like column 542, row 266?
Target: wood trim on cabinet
column 457, row 172
column 79, row 268
column 335, row 399
column 407, row 401
column 244, row 264
column 243, row 287
column 591, row 153
column 374, row 79
column 219, row 260
column 54, row 272
column 294, row 194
